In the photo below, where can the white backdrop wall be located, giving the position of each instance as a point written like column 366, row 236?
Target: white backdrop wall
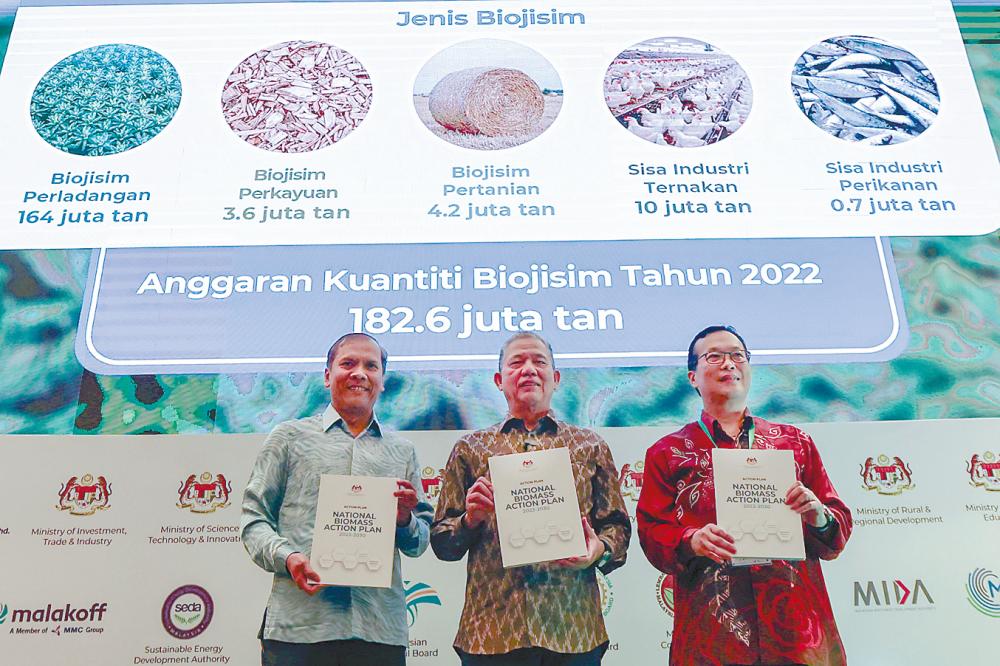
column 900, row 590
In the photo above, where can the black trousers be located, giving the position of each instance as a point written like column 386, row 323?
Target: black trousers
column 353, row 652
column 535, row 657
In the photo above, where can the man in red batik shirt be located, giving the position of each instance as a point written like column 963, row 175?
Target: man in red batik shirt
column 776, row 613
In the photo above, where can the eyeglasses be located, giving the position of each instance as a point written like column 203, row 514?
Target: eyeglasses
column 716, row 358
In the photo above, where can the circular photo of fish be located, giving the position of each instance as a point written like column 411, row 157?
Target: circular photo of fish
column 865, row 90
column 677, row 91
column 105, row 99
column 487, row 94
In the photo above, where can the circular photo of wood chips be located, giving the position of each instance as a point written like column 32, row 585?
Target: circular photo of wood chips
column 105, row 99
column 487, row 94
column 296, row 97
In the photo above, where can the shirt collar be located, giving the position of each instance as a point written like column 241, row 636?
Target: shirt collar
column 547, row 425
column 715, row 427
column 332, row 418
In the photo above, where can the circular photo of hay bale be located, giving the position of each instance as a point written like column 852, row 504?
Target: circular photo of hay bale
column 487, row 94
column 105, row 99
column 865, row 90
column 677, row 91
column 296, row 97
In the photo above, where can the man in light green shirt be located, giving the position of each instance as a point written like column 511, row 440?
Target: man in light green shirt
column 305, row 622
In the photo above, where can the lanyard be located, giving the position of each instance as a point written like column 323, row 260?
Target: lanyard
column 750, row 434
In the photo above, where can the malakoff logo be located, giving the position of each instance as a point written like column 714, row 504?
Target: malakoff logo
column 54, row 618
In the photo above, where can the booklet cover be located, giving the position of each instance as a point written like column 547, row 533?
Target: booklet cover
column 355, row 530
column 538, row 514
column 750, row 487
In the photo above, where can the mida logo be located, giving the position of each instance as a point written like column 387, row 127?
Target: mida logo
column 889, row 594
column 418, row 594
column 3, row 613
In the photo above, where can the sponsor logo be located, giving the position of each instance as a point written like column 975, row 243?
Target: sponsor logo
column 751, row 461
column 431, row 482
column 62, row 615
column 187, row 612
column 665, row 593
column 84, row 496
column 204, row 494
column 527, row 462
column 983, row 588
column 630, row 480
column 418, row 594
column 607, row 593
column 357, row 489
column 891, row 594
column 887, row 476
column 984, row 471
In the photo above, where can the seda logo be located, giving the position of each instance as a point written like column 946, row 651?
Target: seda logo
column 84, row 496
column 187, row 612
column 665, row 593
column 887, row 476
column 891, row 595
column 984, row 471
column 630, row 480
column 204, row 494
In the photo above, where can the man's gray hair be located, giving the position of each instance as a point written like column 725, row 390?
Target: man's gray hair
column 335, row 347
column 521, row 336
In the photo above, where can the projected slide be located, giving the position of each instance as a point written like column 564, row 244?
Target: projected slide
column 452, row 305
column 382, row 122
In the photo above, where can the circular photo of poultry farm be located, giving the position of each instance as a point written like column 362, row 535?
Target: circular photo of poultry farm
column 677, row 91
column 865, row 90
column 487, row 94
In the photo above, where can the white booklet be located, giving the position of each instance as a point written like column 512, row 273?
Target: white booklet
column 750, row 487
column 355, row 530
column 538, row 513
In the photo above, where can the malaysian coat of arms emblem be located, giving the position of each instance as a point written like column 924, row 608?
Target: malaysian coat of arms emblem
column 630, row 480
column 887, row 476
column 84, row 496
column 431, row 482
column 204, row 494
column 984, row 471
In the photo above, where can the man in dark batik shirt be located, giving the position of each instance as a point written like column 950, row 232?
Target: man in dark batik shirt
column 775, row 613
column 544, row 614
